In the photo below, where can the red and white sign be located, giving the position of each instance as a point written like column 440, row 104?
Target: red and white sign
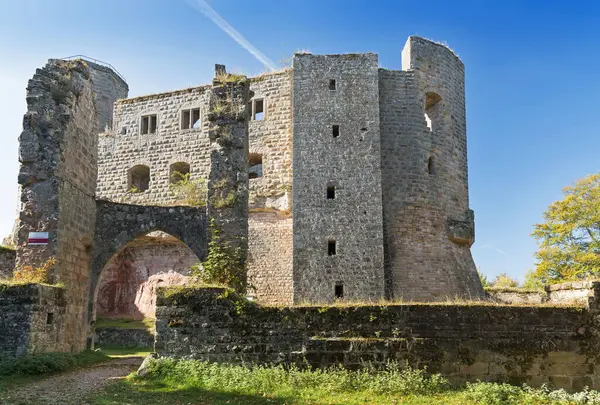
column 37, row 238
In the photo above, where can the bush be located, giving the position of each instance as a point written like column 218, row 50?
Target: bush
column 44, row 363
column 187, row 191
column 506, row 394
column 28, row 274
column 224, row 265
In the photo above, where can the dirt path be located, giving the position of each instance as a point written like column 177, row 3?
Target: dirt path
column 70, row 388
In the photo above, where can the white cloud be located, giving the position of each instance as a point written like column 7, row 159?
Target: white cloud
column 208, row 11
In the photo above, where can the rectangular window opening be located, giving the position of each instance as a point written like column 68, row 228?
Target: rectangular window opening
column 145, row 125
column 331, row 248
column 331, row 84
column 153, row 124
column 339, row 291
column 185, row 119
column 195, row 118
column 336, row 131
column 50, row 318
column 259, row 110
column 330, row 192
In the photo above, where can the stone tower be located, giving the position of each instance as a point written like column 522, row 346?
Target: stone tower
column 428, row 225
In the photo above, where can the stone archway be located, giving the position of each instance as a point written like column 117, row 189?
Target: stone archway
column 118, row 225
column 126, row 288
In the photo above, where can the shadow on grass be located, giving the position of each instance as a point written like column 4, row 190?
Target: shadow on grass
column 150, row 392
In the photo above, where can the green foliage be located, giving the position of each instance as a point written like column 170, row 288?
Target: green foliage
column 45, row 363
column 569, row 237
column 224, row 265
column 532, row 282
column 194, row 382
column 483, row 278
column 504, row 281
column 134, row 190
column 506, row 394
column 267, row 379
column 29, row 274
column 188, row 191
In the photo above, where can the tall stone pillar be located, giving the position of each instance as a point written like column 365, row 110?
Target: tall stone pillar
column 227, row 197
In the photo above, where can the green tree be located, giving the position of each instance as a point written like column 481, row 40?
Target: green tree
column 484, row 280
column 569, row 237
column 504, row 281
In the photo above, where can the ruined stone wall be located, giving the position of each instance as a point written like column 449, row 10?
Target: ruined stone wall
column 348, row 160
column 125, row 146
column 108, row 87
column 271, row 137
column 7, row 261
column 428, row 225
column 58, row 155
column 534, row 345
column 32, row 319
column 270, row 258
column 129, row 281
column 119, row 337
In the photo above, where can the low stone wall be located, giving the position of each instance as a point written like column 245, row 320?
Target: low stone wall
column 123, row 337
column 7, row 261
column 515, row 296
column 586, row 293
column 464, row 342
column 32, row 319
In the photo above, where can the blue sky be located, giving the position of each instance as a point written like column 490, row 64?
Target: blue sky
column 531, row 73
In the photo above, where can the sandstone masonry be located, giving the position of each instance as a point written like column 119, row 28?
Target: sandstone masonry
column 358, row 184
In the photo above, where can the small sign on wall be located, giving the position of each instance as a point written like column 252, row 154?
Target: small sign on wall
column 37, row 238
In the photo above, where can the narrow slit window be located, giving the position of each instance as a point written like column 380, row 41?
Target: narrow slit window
column 332, row 84
column 49, row 318
column 339, row 291
column 335, row 131
column 259, row 110
column 430, row 168
column 331, row 248
column 330, row 192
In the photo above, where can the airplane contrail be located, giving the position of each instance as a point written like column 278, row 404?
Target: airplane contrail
column 207, row 10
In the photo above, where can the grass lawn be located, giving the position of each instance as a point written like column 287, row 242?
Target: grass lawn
column 191, row 382
column 153, row 392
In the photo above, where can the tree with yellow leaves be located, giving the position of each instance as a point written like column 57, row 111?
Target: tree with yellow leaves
column 569, row 237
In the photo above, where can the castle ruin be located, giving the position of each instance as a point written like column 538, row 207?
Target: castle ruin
column 358, row 182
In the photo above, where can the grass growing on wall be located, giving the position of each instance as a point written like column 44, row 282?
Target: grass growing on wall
column 196, row 382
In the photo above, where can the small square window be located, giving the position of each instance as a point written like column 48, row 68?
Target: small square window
column 190, row 118
column 330, row 192
column 339, row 291
column 331, row 248
column 332, row 84
column 148, row 124
column 49, row 318
column 336, row 131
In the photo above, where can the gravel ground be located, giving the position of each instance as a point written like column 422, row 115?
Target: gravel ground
column 70, row 388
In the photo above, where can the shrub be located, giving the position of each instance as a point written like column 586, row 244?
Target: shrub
column 224, row 265
column 44, row 363
column 392, row 379
column 29, row 274
column 187, row 191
